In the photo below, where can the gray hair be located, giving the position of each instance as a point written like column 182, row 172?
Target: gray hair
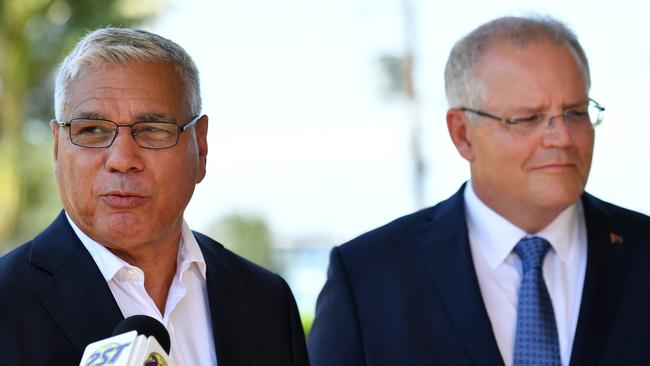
column 122, row 46
column 462, row 83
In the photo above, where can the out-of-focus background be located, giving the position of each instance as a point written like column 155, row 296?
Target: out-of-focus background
column 327, row 117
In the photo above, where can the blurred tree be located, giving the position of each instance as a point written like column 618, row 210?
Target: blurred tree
column 34, row 36
column 248, row 236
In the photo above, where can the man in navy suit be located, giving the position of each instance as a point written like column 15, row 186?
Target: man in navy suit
column 130, row 144
column 520, row 266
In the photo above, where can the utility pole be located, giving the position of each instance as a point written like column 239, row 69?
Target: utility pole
column 409, row 88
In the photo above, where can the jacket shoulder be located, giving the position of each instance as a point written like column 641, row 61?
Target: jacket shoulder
column 618, row 216
column 392, row 238
column 246, row 295
column 392, row 232
column 14, row 268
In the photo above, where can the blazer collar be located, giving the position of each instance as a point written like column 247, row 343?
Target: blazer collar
column 75, row 293
column 446, row 252
column 228, row 305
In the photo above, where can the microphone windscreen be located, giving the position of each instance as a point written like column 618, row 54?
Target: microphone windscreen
column 146, row 326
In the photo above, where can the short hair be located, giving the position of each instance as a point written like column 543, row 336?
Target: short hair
column 123, row 46
column 462, row 83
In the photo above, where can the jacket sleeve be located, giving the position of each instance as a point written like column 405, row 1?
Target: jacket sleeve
column 335, row 337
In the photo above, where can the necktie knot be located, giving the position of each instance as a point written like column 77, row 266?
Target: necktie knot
column 531, row 251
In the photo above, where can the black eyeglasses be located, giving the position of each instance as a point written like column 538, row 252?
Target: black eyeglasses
column 97, row 133
column 589, row 115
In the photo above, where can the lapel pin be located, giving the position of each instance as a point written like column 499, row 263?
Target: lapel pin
column 615, row 238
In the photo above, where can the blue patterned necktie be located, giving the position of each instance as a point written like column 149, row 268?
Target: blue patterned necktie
column 536, row 342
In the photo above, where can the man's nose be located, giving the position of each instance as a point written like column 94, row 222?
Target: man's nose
column 124, row 154
column 558, row 132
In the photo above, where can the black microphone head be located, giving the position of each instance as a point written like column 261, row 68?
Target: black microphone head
column 146, row 326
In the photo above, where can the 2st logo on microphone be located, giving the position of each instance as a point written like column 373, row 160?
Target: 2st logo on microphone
column 107, row 354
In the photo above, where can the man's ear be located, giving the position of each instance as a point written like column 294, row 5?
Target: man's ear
column 459, row 127
column 55, row 133
column 201, row 129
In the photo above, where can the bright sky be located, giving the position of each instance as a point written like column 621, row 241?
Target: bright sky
column 302, row 134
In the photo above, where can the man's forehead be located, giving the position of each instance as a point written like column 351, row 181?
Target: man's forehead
column 532, row 78
column 144, row 116
column 139, row 90
column 117, row 108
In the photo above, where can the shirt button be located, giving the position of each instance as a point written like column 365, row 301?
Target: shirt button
column 131, row 275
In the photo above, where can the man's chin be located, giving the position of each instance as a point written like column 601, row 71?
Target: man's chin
column 558, row 196
column 122, row 227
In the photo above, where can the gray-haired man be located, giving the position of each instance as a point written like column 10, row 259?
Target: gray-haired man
column 130, row 145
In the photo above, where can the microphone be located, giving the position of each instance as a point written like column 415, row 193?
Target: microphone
column 146, row 326
column 137, row 340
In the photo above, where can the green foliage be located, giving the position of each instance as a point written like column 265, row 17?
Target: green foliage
column 307, row 321
column 248, row 236
column 34, row 37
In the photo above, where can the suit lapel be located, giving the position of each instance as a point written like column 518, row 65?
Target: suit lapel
column 603, row 279
column 446, row 252
column 228, row 306
column 76, row 295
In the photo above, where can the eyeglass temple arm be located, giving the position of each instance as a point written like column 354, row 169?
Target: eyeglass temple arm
column 488, row 115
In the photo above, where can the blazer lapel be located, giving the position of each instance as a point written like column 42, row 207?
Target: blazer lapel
column 446, row 252
column 604, row 275
column 228, row 306
column 76, row 294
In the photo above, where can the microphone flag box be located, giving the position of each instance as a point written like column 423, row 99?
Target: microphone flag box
column 127, row 349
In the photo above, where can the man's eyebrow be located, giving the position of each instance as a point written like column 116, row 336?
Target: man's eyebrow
column 155, row 117
column 530, row 109
column 149, row 117
column 88, row 115
column 581, row 103
column 543, row 108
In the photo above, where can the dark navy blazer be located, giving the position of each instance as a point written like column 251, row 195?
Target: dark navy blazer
column 54, row 301
column 407, row 294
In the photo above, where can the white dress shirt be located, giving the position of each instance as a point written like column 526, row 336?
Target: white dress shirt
column 187, row 311
column 492, row 240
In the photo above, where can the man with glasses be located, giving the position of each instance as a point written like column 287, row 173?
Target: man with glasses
column 130, row 144
column 520, row 266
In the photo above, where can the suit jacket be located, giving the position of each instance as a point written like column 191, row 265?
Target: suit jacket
column 407, row 294
column 54, row 302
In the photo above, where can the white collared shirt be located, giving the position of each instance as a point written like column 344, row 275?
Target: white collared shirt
column 187, row 311
column 492, row 240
